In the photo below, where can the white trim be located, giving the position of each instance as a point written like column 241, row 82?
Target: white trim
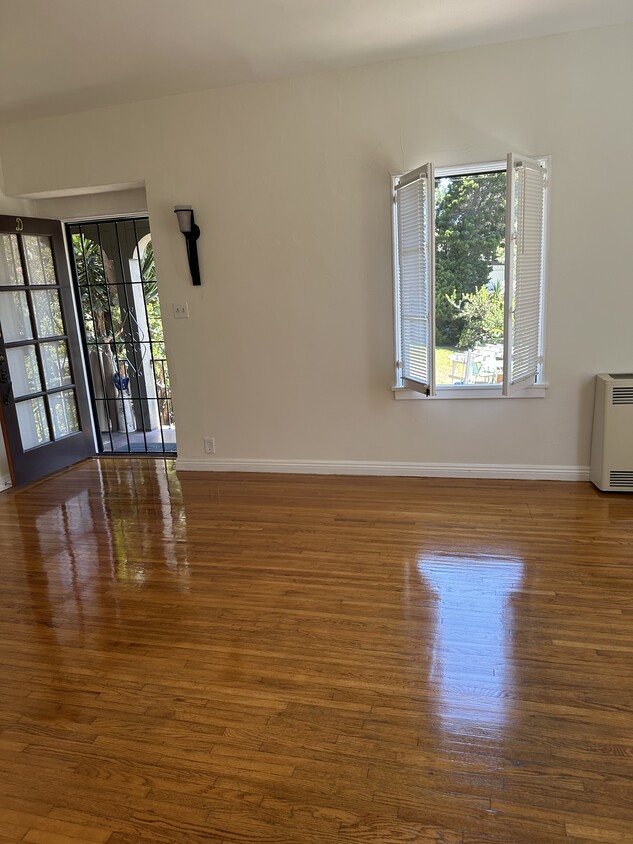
column 410, row 177
column 414, row 381
column 395, row 298
column 105, row 218
column 509, row 275
column 538, row 390
column 357, row 467
column 546, row 161
column 516, row 161
column 119, row 187
column 467, row 169
column 5, row 482
column 472, row 391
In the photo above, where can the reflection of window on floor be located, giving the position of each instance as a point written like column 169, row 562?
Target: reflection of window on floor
column 469, row 276
column 118, row 291
column 472, row 659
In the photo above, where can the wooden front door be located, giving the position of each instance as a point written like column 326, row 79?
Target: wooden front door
column 44, row 404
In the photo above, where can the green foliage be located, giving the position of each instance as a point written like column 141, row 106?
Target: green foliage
column 479, row 317
column 88, row 260
column 148, row 266
column 469, row 234
column 93, row 289
column 444, row 364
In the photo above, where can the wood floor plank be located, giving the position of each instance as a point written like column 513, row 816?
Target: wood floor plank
column 303, row 660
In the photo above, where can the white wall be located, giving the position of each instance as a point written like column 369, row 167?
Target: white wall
column 288, row 354
column 9, row 206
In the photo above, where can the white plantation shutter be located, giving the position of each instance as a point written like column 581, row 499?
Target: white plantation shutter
column 415, row 270
column 524, row 269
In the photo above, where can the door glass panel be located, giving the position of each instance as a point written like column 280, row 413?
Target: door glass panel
column 46, row 411
column 48, row 313
column 25, row 371
column 64, row 413
column 32, row 421
column 14, row 316
column 56, row 364
column 39, row 259
column 10, row 264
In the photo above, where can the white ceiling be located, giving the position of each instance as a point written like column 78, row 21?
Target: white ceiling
column 58, row 56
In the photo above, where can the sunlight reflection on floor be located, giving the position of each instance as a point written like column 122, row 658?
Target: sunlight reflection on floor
column 473, row 637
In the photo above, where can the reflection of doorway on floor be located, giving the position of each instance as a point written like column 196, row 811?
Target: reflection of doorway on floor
column 123, row 331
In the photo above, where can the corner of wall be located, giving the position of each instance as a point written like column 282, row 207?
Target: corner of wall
column 11, row 204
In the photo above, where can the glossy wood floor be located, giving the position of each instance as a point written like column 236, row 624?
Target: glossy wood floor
column 231, row 658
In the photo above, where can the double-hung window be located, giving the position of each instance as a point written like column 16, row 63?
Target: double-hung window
column 469, row 258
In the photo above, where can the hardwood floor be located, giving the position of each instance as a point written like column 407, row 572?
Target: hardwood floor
column 279, row 659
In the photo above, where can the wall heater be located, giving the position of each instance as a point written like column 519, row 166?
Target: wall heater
column 612, row 439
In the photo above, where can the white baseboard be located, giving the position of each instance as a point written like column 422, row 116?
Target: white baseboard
column 418, row 470
column 5, row 482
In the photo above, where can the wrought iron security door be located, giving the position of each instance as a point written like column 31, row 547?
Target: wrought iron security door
column 117, row 291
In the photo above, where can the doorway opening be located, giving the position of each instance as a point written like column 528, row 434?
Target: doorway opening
column 119, row 310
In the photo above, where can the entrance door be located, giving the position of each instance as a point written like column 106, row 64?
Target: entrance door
column 43, row 397
column 117, row 292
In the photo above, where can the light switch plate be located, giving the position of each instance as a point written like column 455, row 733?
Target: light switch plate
column 181, row 310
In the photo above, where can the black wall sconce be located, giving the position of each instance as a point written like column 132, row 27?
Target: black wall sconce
column 191, row 232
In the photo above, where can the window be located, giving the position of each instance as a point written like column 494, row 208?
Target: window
column 469, row 278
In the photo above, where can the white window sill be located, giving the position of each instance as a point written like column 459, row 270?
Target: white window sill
column 474, row 391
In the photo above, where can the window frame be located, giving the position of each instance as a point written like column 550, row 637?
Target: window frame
column 469, row 391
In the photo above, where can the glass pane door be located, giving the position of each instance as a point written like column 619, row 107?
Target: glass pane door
column 40, row 396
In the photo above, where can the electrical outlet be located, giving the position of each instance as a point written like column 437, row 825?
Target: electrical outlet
column 181, row 310
column 209, row 445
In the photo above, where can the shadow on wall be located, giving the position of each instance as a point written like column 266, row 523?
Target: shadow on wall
column 585, row 419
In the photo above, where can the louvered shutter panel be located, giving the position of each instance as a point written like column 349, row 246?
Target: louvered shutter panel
column 415, row 254
column 524, row 269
